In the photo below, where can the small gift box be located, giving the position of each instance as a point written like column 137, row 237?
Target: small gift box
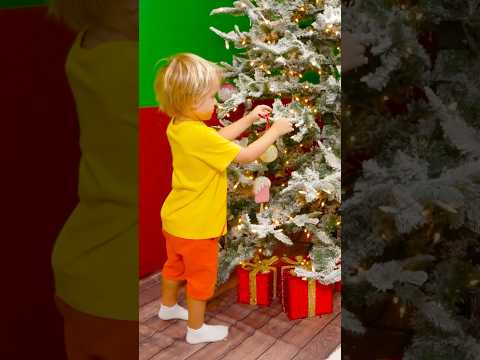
column 338, row 284
column 283, row 265
column 257, row 281
column 306, row 297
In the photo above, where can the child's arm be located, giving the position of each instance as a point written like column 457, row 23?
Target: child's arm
column 258, row 147
column 234, row 130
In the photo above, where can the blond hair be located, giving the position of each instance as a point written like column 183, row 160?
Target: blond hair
column 184, row 81
column 78, row 14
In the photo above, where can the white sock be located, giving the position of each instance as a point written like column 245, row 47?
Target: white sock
column 172, row 312
column 206, row 333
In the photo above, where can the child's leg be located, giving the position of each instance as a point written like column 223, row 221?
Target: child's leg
column 196, row 312
column 201, row 260
column 172, row 272
column 170, row 291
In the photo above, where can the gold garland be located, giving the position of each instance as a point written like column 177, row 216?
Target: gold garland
column 262, row 266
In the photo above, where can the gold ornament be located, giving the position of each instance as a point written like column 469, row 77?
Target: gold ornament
column 270, row 155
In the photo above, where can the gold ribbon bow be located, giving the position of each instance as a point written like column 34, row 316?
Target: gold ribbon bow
column 300, row 261
column 262, row 266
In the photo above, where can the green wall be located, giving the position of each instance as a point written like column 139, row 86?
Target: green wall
column 169, row 27
column 15, row 3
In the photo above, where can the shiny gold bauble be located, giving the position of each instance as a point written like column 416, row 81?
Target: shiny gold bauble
column 270, row 155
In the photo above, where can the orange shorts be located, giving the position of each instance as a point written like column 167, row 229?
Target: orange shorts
column 195, row 261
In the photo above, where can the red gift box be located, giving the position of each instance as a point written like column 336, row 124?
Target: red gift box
column 257, row 282
column 284, row 264
column 338, row 284
column 306, row 297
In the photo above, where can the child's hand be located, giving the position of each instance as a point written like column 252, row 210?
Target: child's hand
column 282, row 126
column 258, row 112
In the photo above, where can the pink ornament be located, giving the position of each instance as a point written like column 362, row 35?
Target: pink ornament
column 261, row 189
column 226, row 92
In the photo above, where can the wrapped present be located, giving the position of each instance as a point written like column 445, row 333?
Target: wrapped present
column 257, row 281
column 306, row 297
column 283, row 265
column 338, row 284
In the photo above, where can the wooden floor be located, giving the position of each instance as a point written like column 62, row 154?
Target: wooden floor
column 254, row 332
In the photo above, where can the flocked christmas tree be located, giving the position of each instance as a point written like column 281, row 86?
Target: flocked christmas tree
column 291, row 55
column 412, row 181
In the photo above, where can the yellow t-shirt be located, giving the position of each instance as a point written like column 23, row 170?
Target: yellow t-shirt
column 196, row 208
column 95, row 258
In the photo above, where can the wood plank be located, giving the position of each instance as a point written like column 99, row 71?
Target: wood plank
column 278, row 326
column 255, row 332
column 280, row 350
column 178, row 350
column 144, row 332
column 252, row 347
column 324, row 343
column 149, row 310
column 154, row 345
column 145, row 283
column 306, row 329
column 267, row 329
column 236, row 335
column 150, row 294
column 238, row 311
column 158, row 324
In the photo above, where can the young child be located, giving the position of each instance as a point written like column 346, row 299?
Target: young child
column 95, row 258
column 195, row 212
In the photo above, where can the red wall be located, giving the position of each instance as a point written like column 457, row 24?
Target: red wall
column 155, row 184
